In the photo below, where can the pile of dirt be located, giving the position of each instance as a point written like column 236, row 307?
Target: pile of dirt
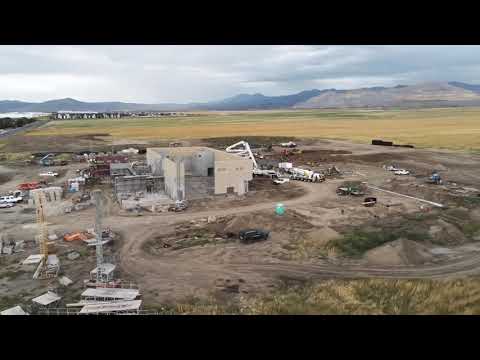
column 254, row 141
column 313, row 156
column 445, row 233
column 290, row 221
column 376, row 158
column 399, row 252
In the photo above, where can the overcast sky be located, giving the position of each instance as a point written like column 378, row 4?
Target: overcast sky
column 157, row 74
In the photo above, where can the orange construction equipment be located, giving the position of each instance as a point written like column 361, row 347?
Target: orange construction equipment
column 77, row 236
column 29, row 186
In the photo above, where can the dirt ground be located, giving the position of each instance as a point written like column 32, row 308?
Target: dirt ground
column 196, row 253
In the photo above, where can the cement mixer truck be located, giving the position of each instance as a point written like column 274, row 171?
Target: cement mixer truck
column 305, row 175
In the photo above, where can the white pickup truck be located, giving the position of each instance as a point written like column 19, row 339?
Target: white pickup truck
column 49, row 173
column 280, row 181
column 10, row 199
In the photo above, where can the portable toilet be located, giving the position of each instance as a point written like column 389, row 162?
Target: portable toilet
column 280, row 209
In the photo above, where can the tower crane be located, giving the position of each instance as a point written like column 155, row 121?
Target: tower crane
column 49, row 265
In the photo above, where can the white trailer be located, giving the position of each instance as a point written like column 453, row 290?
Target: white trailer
column 285, row 165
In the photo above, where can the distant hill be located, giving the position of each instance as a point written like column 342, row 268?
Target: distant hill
column 259, row 101
column 421, row 95
column 474, row 88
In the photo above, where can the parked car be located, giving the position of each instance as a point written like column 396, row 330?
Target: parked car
column 10, row 199
column 6, row 205
column 392, row 168
column 402, row 172
column 280, row 181
column 49, row 173
column 253, row 235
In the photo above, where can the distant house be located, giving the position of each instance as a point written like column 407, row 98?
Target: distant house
column 67, row 115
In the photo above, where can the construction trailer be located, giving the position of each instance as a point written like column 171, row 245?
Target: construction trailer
column 16, row 310
column 112, row 308
column 49, row 299
column 109, row 294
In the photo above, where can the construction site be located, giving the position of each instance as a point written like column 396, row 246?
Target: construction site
column 135, row 230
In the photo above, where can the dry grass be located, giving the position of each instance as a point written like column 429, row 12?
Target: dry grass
column 453, row 128
column 358, row 297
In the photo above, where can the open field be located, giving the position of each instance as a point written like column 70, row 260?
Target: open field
column 449, row 128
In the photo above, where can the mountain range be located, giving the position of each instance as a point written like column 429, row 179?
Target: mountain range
column 403, row 96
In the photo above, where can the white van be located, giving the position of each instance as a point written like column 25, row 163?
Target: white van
column 10, row 199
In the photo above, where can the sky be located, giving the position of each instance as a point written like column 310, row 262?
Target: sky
column 182, row 74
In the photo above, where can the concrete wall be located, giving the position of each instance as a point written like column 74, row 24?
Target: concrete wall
column 155, row 160
column 232, row 173
column 199, row 187
column 132, row 184
column 201, row 161
column 174, row 172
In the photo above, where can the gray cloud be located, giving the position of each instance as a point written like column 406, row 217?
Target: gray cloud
column 200, row 73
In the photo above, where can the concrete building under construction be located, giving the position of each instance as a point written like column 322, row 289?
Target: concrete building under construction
column 181, row 173
column 192, row 172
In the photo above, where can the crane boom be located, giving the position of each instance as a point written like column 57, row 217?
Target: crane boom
column 244, row 152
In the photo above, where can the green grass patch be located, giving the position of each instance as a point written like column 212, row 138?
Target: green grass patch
column 355, row 243
column 471, row 229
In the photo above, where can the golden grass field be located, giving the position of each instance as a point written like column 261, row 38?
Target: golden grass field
column 352, row 297
column 450, row 128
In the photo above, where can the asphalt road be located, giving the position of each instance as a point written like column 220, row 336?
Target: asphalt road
column 15, row 131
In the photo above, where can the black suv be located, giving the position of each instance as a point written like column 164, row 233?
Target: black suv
column 253, row 235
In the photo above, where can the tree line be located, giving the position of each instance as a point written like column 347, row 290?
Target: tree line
column 8, row 123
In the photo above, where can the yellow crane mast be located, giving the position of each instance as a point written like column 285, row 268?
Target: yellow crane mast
column 48, row 267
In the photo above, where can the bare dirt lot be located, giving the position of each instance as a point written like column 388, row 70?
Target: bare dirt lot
column 173, row 256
